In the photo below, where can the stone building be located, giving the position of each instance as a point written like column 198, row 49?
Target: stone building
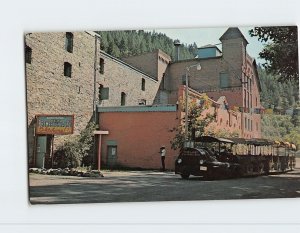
column 71, row 82
column 67, row 76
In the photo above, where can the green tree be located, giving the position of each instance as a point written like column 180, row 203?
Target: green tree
column 197, row 122
column 75, row 149
column 281, row 51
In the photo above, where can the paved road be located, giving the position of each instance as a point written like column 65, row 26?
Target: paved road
column 137, row 186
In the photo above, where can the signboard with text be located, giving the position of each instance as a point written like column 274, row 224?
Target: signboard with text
column 55, row 124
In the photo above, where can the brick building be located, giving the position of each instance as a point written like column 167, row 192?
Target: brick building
column 231, row 73
column 67, row 75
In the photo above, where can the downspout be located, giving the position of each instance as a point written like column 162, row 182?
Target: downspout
column 95, row 76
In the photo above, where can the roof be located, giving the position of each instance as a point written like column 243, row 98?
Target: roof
column 233, row 33
column 212, row 139
column 139, row 108
column 126, row 64
column 210, row 46
column 257, row 76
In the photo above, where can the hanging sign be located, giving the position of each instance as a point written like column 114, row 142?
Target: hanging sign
column 55, row 124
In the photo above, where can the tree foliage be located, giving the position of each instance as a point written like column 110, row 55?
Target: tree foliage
column 278, row 96
column 72, row 152
column 280, row 127
column 280, row 51
column 197, row 122
column 132, row 42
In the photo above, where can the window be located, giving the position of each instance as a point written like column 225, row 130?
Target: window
column 103, row 92
column 143, row 84
column 28, row 53
column 224, row 80
column 69, row 42
column 245, row 98
column 249, row 126
column 123, row 99
column 67, row 69
column 245, row 123
column 101, row 66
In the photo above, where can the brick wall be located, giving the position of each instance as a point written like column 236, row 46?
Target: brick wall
column 138, row 136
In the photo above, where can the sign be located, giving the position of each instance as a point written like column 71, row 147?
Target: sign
column 55, row 124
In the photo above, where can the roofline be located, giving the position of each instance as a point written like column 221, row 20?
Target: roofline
column 138, row 108
column 126, row 64
column 239, row 31
column 212, row 46
column 196, row 59
column 92, row 33
column 256, row 72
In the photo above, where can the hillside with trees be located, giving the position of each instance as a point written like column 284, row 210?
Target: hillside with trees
column 133, row 42
column 277, row 95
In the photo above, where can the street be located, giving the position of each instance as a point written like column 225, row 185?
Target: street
column 140, row 186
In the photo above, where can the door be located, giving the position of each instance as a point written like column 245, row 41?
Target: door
column 41, row 150
column 112, row 156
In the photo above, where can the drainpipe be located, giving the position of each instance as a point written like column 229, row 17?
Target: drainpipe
column 95, row 76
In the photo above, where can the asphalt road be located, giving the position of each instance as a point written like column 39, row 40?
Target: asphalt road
column 139, row 186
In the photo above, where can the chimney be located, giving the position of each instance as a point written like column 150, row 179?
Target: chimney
column 177, row 47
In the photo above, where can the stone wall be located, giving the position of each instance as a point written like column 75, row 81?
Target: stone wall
column 49, row 91
column 120, row 77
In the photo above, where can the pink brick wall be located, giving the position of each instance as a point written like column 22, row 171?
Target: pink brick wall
column 139, row 135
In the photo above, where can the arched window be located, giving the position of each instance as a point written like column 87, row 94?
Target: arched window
column 69, row 42
column 123, row 99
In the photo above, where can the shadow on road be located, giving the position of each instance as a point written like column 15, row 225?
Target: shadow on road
column 157, row 186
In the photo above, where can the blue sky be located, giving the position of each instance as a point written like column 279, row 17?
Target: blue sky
column 204, row 36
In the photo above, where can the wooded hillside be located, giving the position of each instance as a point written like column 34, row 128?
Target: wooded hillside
column 133, row 42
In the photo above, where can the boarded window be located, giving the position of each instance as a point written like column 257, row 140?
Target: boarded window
column 103, row 93
column 69, row 42
column 67, row 69
column 101, row 66
column 224, row 80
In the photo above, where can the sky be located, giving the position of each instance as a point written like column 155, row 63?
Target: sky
column 204, row 36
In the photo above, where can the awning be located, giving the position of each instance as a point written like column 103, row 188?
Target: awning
column 212, row 139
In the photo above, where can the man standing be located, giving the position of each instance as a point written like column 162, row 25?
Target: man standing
column 163, row 156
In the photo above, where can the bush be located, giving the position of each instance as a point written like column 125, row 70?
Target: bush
column 72, row 152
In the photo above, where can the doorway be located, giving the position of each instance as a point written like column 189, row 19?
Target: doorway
column 112, row 156
column 43, row 151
